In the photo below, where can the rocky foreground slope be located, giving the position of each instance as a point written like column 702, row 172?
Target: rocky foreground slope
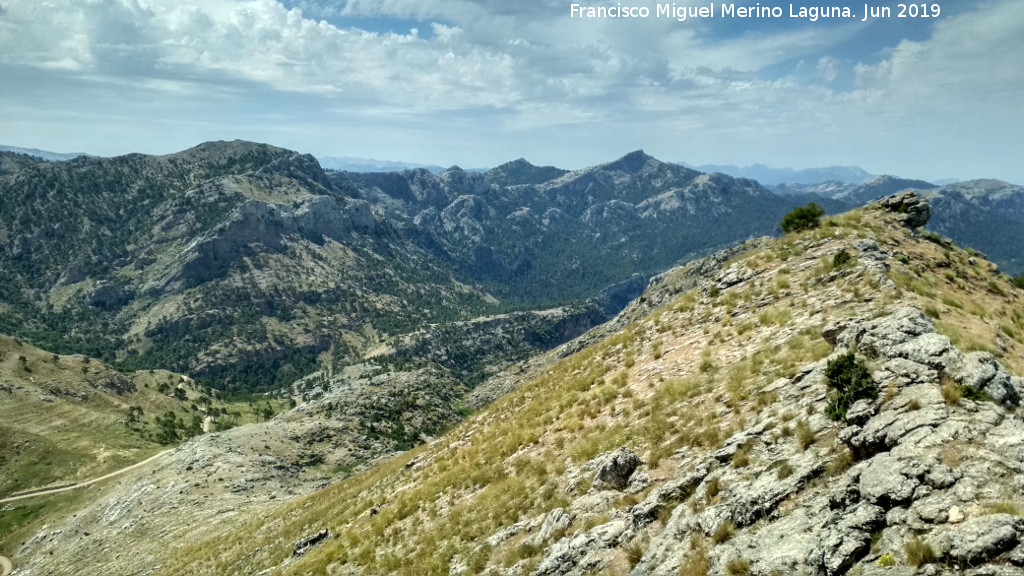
column 692, row 436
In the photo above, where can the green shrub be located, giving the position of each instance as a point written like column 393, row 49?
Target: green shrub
column 802, row 218
column 842, row 259
column 972, row 393
column 1018, row 281
column 852, row 381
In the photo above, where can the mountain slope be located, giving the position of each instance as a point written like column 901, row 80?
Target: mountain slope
column 68, row 419
column 542, row 235
column 237, row 263
column 715, row 388
column 985, row 214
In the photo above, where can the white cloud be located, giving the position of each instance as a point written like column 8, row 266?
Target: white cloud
column 828, row 69
column 517, row 68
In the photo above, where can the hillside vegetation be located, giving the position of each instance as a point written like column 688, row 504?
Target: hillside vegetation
column 68, row 419
column 693, row 436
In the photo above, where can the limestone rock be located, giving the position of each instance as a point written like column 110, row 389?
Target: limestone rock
column 555, row 523
column 860, row 412
column 888, row 480
column 738, row 272
column 982, row 538
column 580, row 554
column 615, row 468
column 910, row 209
column 980, row 371
column 843, row 542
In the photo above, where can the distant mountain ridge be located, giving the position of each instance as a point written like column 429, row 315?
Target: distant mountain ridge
column 984, row 214
column 769, row 176
column 48, row 156
column 355, row 164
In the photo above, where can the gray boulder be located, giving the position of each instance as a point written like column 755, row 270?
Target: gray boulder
column 982, row 538
column 615, row 468
column 888, row 480
column 555, row 523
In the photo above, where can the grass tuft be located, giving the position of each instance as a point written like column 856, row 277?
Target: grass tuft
column 919, row 553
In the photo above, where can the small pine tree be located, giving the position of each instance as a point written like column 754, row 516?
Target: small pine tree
column 802, row 218
column 852, row 380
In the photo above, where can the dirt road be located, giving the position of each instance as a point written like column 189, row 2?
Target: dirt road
column 80, row 484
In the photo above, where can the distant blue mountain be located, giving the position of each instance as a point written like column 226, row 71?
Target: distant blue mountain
column 50, row 156
column 769, row 176
column 352, row 164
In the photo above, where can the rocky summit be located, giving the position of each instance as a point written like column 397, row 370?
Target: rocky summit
column 841, row 400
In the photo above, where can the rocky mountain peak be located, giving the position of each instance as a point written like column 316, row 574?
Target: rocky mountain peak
column 631, row 163
column 520, row 171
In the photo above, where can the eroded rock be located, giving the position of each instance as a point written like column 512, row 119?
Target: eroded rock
column 614, row 469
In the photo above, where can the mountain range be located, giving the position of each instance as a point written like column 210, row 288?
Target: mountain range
column 248, row 266
column 769, row 176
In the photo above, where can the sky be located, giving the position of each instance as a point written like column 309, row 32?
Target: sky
column 479, row 83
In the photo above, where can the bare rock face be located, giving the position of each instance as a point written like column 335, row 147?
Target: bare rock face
column 839, row 544
column 982, row 538
column 911, row 209
column 616, row 468
column 980, row 371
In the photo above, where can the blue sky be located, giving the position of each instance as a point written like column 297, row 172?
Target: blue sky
column 481, row 82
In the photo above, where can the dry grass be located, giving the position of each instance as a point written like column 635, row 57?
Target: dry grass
column 804, row 435
column 723, row 532
column 918, row 553
column 697, row 562
column 785, row 470
column 737, row 567
column 950, row 390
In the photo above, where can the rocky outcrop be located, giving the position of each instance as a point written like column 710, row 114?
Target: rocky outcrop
column 615, row 469
column 925, row 468
column 303, row 546
column 110, row 297
column 910, row 209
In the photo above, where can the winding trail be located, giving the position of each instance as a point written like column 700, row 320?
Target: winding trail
column 5, row 566
column 46, row 492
